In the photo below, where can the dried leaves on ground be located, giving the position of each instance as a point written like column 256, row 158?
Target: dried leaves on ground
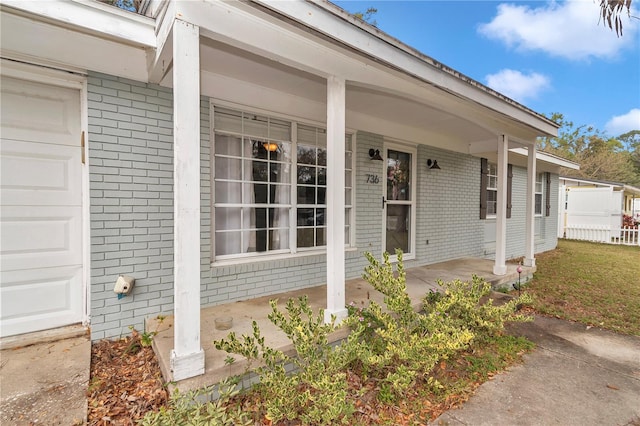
column 125, row 382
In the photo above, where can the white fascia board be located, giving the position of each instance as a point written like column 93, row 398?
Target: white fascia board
column 386, row 49
column 548, row 158
column 92, row 17
column 160, row 60
column 46, row 44
column 632, row 189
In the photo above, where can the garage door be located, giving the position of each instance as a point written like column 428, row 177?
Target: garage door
column 41, row 279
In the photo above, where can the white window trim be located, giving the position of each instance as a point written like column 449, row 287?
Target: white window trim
column 293, row 250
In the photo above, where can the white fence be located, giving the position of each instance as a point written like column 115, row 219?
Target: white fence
column 604, row 234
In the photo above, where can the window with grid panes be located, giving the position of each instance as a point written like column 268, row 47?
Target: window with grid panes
column 270, row 185
column 492, row 189
column 539, row 193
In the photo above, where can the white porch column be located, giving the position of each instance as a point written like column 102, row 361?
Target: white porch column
column 500, row 267
column 529, row 257
column 187, row 357
column 335, row 198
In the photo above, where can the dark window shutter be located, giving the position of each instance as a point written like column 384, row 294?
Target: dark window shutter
column 548, row 195
column 484, row 176
column 509, row 186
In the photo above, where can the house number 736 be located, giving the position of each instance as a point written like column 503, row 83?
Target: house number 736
column 373, row 178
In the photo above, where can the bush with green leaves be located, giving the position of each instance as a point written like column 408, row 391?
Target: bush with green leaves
column 189, row 410
column 315, row 392
column 403, row 345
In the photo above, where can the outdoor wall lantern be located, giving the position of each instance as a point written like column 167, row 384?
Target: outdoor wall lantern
column 433, row 164
column 374, row 154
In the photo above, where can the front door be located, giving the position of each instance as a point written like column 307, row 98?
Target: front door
column 399, row 205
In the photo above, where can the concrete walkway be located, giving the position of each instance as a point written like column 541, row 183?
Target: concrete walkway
column 576, row 376
column 45, row 382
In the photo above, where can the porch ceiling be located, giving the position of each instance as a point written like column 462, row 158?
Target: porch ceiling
column 369, row 107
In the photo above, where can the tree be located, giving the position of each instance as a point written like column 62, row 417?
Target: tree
column 600, row 157
column 611, row 13
column 367, row 16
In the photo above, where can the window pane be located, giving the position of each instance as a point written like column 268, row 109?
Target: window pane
column 228, row 218
column 228, row 192
column 228, row 168
column 228, row 145
column 322, row 157
column 320, row 217
column 255, row 125
column 282, row 194
column 306, row 135
column 279, row 129
column 305, row 217
column 347, row 197
column 492, row 202
column 227, row 120
column 228, row 243
column 321, row 237
column 322, row 195
column 398, row 175
column 322, row 176
column 347, row 178
column 306, row 175
column 279, row 239
column 348, row 158
column 306, row 195
column 306, row 155
column 305, row 237
column 259, row 170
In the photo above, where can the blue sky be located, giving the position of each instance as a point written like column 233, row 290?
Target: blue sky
column 550, row 56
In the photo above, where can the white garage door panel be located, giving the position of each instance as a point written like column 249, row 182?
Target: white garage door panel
column 41, row 228
column 39, row 174
column 53, row 299
column 36, row 237
column 39, row 112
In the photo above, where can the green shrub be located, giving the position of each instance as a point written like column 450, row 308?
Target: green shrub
column 189, row 410
column 315, row 392
column 404, row 345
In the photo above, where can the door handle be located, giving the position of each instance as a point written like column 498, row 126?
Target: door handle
column 383, row 201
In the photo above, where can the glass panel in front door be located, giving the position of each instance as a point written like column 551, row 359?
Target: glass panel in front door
column 399, row 202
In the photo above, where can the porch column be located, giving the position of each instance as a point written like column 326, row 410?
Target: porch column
column 187, row 357
column 529, row 257
column 335, row 198
column 500, row 267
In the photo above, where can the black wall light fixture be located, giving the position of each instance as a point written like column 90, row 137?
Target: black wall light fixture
column 374, row 154
column 433, row 164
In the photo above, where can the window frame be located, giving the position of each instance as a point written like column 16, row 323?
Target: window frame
column 485, row 189
column 293, row 205
column 539, row 192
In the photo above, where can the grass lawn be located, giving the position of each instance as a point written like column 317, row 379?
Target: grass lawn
column 595, row 284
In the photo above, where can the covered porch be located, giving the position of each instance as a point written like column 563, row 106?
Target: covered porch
column 420, row 280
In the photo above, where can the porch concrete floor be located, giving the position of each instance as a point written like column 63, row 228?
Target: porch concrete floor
column 419, row 281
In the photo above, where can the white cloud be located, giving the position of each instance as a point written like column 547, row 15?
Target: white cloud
column 568, row 29
column 517, row 85
column 620, row 124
